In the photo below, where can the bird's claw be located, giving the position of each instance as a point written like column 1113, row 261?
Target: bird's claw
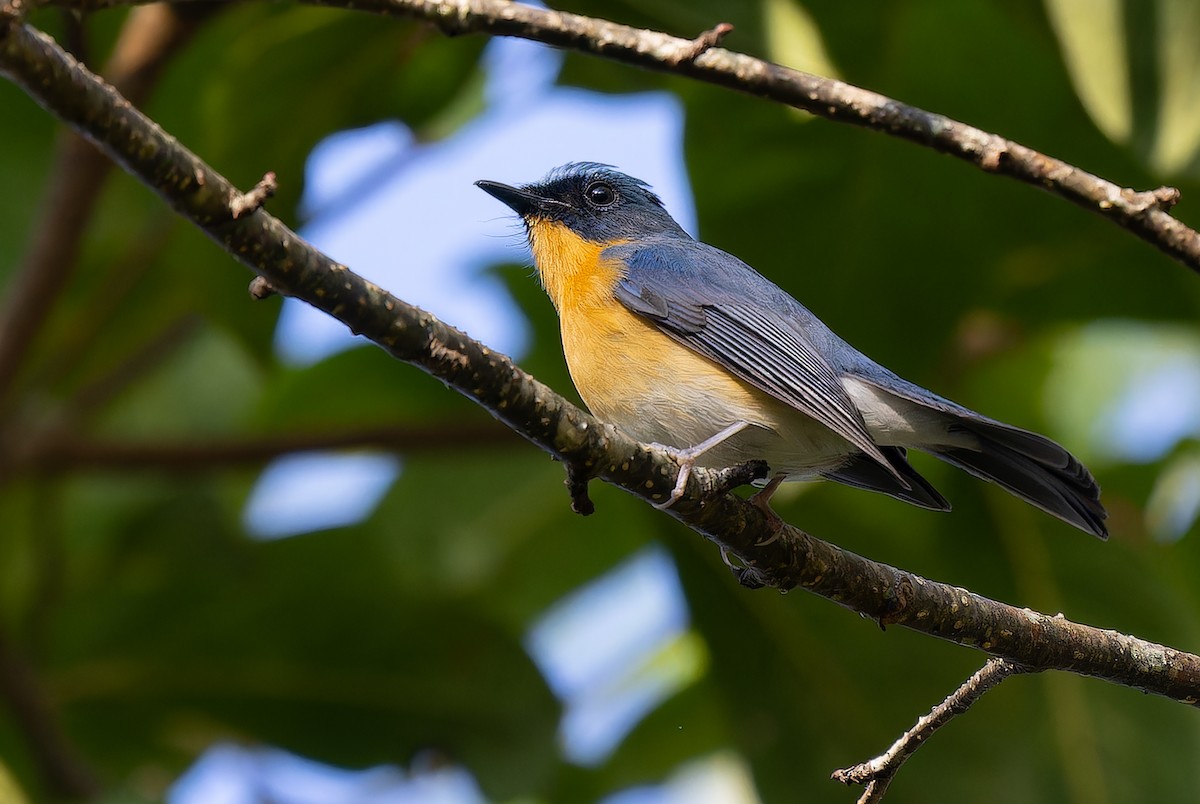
column 686, row 458
column 686, row 463
column 748, row 577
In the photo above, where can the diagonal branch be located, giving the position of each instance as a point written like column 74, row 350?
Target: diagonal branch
column 59, row 453
column 148, row 39
column 876, row 774
column 779, row 556
column 1144, row 213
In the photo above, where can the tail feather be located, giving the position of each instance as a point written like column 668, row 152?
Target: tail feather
column 1035, row 469
column 1028, row 465
column 863, row 472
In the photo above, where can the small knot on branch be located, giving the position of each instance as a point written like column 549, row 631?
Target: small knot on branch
column 261, row 288
column 1167, row 197
column 715, row 482
column 10, row 12
column 994, row 156
column 453, row 19
column 748, row 576
column 704, row 42
column 1163, row 198
column 244, row 204
column 897, row 604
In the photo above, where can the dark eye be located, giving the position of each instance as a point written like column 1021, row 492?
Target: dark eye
column 600, row 194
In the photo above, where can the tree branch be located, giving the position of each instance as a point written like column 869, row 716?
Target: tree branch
column 48, row 443
column 784, row 559
column 1144, row 213
column 148, row 39
column 878, row 773
column 61, row 452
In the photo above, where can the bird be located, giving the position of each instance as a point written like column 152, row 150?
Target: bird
column 682, row 345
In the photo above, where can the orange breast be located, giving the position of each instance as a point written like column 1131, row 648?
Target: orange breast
column 633, row 375
column 628, row 371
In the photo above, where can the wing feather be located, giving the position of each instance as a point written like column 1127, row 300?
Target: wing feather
column 756, row 331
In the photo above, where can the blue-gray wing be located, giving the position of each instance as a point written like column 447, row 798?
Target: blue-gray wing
column 720, row 307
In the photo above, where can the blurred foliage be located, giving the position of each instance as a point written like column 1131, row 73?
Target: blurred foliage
column 158, row 626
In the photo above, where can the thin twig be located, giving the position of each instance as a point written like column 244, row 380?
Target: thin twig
column 73, row 346
column 878, row 773
column 1144, row 213
column 49, row 565
column 151, row 354
column 784, row 557
column 245, row 203
column 37, row 444
column 704, row 42
column 67, row 453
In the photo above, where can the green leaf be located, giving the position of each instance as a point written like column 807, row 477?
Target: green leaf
column 309, row 643
column 360, row 387
column 10, row 791
column 1178, row 142
column 163, row 628
column 207, row 387
column 1092, row 36
column 794, row 40
column 1136, row 71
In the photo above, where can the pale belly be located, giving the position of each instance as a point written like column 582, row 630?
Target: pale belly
column 658, row 391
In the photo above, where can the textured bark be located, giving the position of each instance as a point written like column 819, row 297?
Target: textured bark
column 876, row 774
column 148, row 39
column 1144, row 213
column 782, row 557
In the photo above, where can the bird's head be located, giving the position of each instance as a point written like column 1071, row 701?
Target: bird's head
column 594, row 201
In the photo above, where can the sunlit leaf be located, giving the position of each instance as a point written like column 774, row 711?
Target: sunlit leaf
column 1179, row 70
column 10, row 791
column 1092, row 36
column 794, row 40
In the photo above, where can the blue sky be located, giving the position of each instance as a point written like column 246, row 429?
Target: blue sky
column 426, row 233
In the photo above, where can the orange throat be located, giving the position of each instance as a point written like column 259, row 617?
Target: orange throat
column 571, row 268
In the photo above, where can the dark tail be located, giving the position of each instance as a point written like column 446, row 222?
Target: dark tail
column 864, row 472
column 1033, row 468
column 1028, row 465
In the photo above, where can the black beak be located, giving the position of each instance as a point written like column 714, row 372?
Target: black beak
column 522, row 202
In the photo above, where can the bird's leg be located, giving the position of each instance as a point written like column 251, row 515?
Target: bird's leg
column 686, row 458
column 762, row 501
